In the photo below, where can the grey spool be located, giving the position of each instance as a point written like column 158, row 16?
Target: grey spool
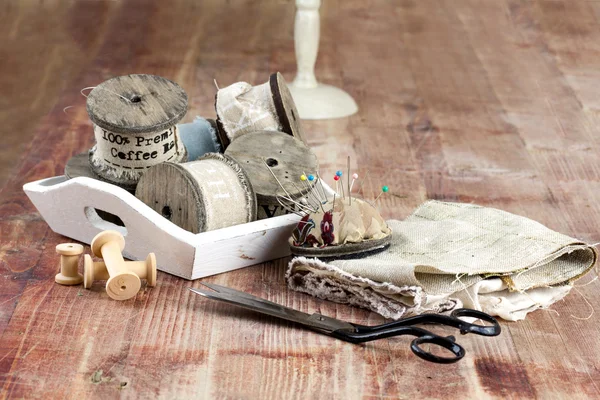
column 288, row 158
column 210, row 193
column 134, row 119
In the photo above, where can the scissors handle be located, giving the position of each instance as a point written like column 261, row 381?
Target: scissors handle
column 362, row 333
column 366, row 334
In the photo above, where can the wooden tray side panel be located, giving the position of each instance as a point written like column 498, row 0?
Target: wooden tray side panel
column 242, row 251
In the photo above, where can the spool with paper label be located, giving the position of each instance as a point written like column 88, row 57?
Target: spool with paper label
column 199, row 137
column 210, row 193
column 134, row 119
column 242, row 108
column 288, row 159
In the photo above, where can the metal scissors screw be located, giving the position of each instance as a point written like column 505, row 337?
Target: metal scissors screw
column 356, row 333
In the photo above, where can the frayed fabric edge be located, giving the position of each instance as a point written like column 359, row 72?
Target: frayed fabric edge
column 341, row 287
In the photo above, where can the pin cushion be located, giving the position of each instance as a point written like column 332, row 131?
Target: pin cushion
column 340, row 228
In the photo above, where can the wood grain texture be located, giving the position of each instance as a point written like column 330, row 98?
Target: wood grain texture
column 287, row 158
column 143, row 104
column 491, row 102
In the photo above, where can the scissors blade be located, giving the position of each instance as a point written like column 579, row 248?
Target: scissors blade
column 315, row 321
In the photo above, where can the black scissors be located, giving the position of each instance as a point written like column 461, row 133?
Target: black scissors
column 355, row 333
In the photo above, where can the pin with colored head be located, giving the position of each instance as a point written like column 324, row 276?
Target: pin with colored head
column 337, row 177
column 354, row 178
column 307, row 180
column 317, row 194
column 289, row 202
column 384, row 189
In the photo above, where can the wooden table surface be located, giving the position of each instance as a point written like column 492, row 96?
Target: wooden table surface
column 494, row 102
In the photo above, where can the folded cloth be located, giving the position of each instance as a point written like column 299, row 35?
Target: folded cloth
column 449, row 255
column 199, row 137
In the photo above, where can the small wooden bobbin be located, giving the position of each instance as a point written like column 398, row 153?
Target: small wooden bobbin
column 122, row 284
column 97, row 270
column 288, row 159
column 210, row 193
column 69, row 259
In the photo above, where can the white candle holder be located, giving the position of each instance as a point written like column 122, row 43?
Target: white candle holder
column 314, row 100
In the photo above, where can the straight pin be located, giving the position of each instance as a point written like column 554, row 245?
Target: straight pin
column 362, row 193
column 339, row 176
column 304, row 179
column 277, row 179
column 354, row 178
column 310, row 189
column 349, row 194
column 322, row 187
column 311, row 178
column 303, row 207
column 289, row 208
column 308, row 200
column 384, row 189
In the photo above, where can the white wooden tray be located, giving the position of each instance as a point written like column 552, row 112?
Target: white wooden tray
column 69, row 207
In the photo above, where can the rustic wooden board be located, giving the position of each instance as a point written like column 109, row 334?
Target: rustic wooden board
column 491, row 102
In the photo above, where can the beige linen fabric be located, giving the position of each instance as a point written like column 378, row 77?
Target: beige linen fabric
column 243, row 108
column 449, row 255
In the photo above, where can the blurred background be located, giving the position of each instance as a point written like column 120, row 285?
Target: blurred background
column 484, row 101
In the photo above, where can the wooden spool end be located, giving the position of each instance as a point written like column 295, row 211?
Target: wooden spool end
column 189, row 197
column 285, row 106
column 137, row 104
column 123, row 286
column 105, row 237
column 69, row 249
column 288, row 157
column 151, row 270
column 88, row 271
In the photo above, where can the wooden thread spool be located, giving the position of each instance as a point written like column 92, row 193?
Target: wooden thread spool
column 210, row 193
column 69, row 260
column 122, row 283
column 97, row 270
column 242, row 108
column 288, row 159
column 134, row 119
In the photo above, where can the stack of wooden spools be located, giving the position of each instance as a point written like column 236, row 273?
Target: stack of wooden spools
column 140, row 147
column 123, row 278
